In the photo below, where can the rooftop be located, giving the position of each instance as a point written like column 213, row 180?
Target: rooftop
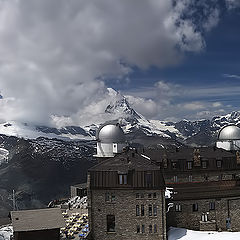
column 187, row 153
column 129, row 160
column 40, row 219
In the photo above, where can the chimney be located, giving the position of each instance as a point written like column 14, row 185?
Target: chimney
column 238, row 157
column 196, row 157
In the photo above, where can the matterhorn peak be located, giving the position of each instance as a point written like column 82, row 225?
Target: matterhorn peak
column 121, row 107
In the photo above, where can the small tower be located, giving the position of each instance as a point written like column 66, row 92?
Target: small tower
column 229, row 138
column 110, row 140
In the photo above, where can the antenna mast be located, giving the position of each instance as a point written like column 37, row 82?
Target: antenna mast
column 14, row 201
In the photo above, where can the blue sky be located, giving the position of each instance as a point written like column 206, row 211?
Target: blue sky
column 171, row 59
column 214, row 71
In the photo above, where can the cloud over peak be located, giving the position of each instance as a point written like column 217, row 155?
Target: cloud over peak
column 56, row 54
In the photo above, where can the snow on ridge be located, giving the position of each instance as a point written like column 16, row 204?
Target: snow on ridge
column 3, row 155
column 27, row 131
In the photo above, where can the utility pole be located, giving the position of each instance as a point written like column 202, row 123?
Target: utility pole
column 14, row 201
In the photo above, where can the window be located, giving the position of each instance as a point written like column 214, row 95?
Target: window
column 142, row 210
column 137, row 195
column 149, row 210
column 228, row 223
column 137, row 210
column 149, row 195
column 110, row 223
column 219, row 163
column 175, row 178
column 189, row 165
column 125, row 179
column 149, row 179
column 174, row 165
column 154, row 210
column 143, row 228
column 154, row 195
column 113, row 197
column 138, row 228
column 122, row 179
column 190, row 178
column 107, row 197
column 110, row 197
column 155, row 228
column 204, row 164
column 150, row 228
column 178, row 208
column 212, row 206
column 195, row 207
column 142, row 195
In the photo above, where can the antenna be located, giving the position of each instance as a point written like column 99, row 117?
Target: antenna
column 14, row 201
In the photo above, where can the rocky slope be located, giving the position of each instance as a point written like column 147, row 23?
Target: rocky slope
column 41, row 170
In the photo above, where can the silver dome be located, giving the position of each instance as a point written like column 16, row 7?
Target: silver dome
column 231, row 132
column 111, row 134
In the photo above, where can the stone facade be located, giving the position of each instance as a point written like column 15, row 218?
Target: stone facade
column 123, row 207
column 126, row 199
column 224, row 217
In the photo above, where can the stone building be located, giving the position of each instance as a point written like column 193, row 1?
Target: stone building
column 79, row 190
column 206, row 186
column 126, row 189
column 126, row 199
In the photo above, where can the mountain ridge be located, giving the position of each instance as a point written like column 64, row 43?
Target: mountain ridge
column 120, row 110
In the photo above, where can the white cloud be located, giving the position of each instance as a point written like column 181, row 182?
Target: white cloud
column 55, row 54
column 147, row 107
column 231, row 4
column 231, row 76
column 174, row 102
column 193, row 106
column 217, row 104
column 212, row 20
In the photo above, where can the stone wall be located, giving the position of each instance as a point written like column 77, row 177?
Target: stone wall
column 225, row 208
column 124, row 210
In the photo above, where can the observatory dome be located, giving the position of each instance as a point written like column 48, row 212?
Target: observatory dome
column 231, row 132
column 111, row 134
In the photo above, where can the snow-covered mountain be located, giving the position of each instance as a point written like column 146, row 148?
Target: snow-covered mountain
column 201, row 132
column 30, row 131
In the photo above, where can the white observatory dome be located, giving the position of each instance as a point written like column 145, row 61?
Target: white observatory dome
column 111, row 134
column 231, row 132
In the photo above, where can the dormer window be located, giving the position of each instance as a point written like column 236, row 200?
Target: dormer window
column 189, row 165
column 149, row 179
column 219, row 163
column 204, row 164
column 174, row 165
column 175, row 178
column 122, row 179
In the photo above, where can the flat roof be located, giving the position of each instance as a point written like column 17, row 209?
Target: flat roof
column 38, row 219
